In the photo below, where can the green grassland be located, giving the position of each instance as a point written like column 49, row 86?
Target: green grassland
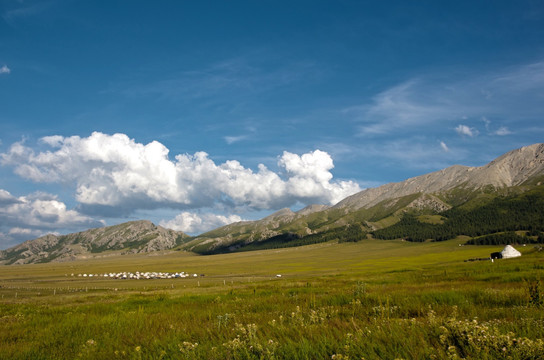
column 371, row 299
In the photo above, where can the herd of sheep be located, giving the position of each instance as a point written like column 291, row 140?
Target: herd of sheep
column 140, row 275
column 143, row 275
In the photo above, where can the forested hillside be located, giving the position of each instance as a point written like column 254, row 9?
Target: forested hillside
column 497, row 220
column 510, row 213
column 349, row 233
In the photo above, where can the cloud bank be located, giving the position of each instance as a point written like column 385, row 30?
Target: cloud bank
column 36, row 214
column 116, row 172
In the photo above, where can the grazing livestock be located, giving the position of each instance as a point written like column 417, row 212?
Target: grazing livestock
column 496, row 255
column 142, row 275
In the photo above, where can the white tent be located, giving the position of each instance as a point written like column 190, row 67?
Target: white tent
column 509, row 252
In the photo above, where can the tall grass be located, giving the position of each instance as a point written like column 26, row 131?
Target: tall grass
column 426, row 304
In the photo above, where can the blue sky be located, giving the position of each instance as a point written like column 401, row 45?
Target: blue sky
column 194, row 114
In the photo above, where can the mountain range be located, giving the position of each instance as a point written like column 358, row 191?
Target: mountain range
column 431, row 203
column 127, row 238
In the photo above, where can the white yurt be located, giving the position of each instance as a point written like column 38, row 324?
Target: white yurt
column 509, row 252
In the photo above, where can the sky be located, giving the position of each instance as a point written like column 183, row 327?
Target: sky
column 195, row 114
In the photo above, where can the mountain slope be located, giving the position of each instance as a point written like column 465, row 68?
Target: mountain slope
column 510, row 169
column 130, row 237
column 512, row 173
column 522, row 213
column 236, row 235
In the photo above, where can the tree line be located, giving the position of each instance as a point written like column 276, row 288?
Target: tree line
column 506, row 238
column 524, row 212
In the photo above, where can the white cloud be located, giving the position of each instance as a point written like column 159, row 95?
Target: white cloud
column 34, row 215
column 5, row 70
column 315, row 165
column 115, row 171
column 309, row 177
column 6, row 198
column 464, row 130
column 40, row 210
column 193, row 223
column 24, row 232
column 502, row 131
column 53, row 141
column 444, row 146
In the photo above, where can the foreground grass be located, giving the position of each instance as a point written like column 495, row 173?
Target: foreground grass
column 375, row 299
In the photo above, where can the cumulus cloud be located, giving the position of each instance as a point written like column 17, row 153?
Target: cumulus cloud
column 33, row 215
column 39, row 210
column 464, row 130
column 6, row 198
column 193, row 223
column 117, row 172
column 5, row 70
column 24, row 232
column 309, row 178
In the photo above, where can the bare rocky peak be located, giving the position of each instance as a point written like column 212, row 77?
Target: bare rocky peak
column 279, row 214
column 286, row 214
column 130, row 237
column 512, row 168
column 429, row 183
column 274, row 220
column 311, row 209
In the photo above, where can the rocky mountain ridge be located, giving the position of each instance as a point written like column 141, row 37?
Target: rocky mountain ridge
column 251, row 231
column 510, row 169
column 131, row 237
column 381, row 206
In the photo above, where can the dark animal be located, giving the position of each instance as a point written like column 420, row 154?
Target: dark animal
column 496, row 255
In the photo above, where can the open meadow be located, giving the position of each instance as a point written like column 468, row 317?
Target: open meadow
column 373, row 299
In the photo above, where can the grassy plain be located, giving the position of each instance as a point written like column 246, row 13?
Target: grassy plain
column 373, row 299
